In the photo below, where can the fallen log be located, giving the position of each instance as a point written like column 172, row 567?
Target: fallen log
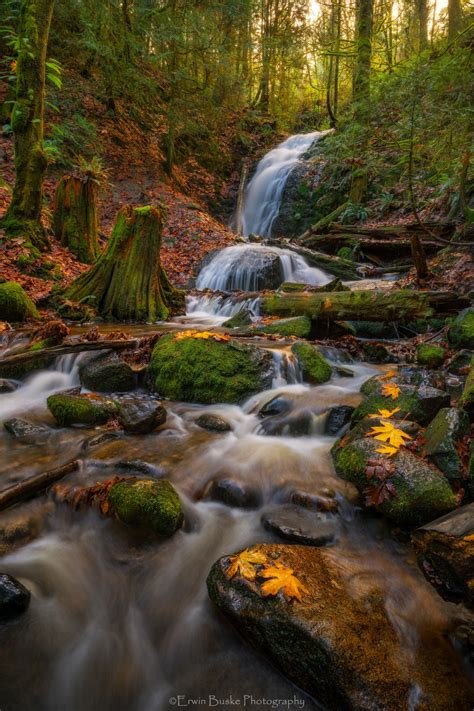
column 343, row 268
column 363, row 305
column 393, row 247
column 34, row 485
column 67, row 349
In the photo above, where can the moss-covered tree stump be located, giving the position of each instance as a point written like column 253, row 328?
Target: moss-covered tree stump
column 128, row 282
column 75, row 217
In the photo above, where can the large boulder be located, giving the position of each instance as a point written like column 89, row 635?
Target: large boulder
column 445, row 550
column 422, row 493
column 141, row 416
column 430, row 354
column 341, row 648
column 149, row 504
column 448, row 427
column 15, row 304
column 27, row 432
column 420, row 403
column 106, row 373
column 314, row 366
column 208, row 371
column 461, row 333
column 233, row 493
column 80, row 409
column 14, row 598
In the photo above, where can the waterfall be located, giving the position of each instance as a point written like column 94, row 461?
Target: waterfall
column 264, row 192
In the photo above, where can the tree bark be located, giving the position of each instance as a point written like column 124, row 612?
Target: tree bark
column 75, row 217
column 56, row 351
column 34, row 485
column 454, row 19
column 128, row 282
column 422, row 17
column 361, row 92
column 24, row 213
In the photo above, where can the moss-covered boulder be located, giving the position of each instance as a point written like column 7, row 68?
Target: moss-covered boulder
column 239, row 320
column 441, row 436
column 421, row 403
column 330, row 643
column 430, row 354
column 107, row 373
column 299, row 326
column 422, row 492
column 461, row 333
column 15, row 304
column 207, row 370
column 315, row 368
column 466, row 400
column 80, row 409
column 149, row 504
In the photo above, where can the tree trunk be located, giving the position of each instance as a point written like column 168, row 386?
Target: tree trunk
column 454, row 19
column 419, row 257
column 24, row 212
column 128, row 282
column 361, row 91
column 422, row 17
column 75, row 217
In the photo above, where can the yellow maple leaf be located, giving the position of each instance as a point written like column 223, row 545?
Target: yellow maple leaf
column 244, row 563
column 387, row 432
column 387, row 449
column 205, row 335
column 389, row 375
column 281, row 578
column 387, row 414
column 391, row 390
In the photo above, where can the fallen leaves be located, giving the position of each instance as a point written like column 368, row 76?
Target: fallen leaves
column 278, row 577
column 244, row 563
column 381, row 470
column 391, row 390
column 386, row 414
column 391, row 435
column 205, row 335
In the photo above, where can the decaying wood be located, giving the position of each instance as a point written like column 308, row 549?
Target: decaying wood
column 344, row 268
column 34, row 485
column 67, row 349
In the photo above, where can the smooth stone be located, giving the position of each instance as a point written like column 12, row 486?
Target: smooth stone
column 27, row 432
column 213, row 423
column 337, row 418
column 300, row 525
column 314, row 502
column 278, row 406
column 140, row 416
column 99, row 439
column 7, row 386
column 106, row 373
column 233, row 493
column 448, row 427
column 298, row 425
column 14, row 597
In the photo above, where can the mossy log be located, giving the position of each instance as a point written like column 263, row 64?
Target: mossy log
column 128, row 282
column 403, row 305
column 75, row 217
column 385, row 246
column 343, row 268
column 24, row 213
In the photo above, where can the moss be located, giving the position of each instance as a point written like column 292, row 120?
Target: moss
column 300, row 326
column 421, row 409
column 466, row 400
column 239, row 320
column 449, row 425
column 430, row 354
column 461, row 333
column 345, row 253
column 148, row 504
column 207, row 371
column 79, row 409
column 315, row 368
column 15, row 304
column 75, row 217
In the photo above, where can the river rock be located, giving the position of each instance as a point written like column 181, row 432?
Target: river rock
column 14, row 598
column 330, row 644
column 430, row 354
column 338, row 417
column 106, row 373
column 148, row 504
column 213, row 423
column 449, row 426
column 421, row 403
column 27, row 432
column 314, row 502
column 99, row 439
column 81, row 410
column 314, row 366
column 461, row 333
column 140, row 416
column 422, row 492
column 300, row 525
column 299, row 326
column 15, row 304
column 7, row 386
column 460, row 361
column 208, row 371
column 234, row 493
column 445, row 550
column 299, row 424
column 240, row 319
column 277, row 406
column 466, row 400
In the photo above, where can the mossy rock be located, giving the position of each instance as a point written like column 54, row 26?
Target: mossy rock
column 299, row 326
column 461, row 333
column 208, row 371
column 240, row 319
column 15, row 304
column 106, row 373
column 449, row 426
column 423, row 493
column 81, row 410
column 466, row 400
column 421, row 403
column 430, row 354
column 315, row 368
column 149, row 504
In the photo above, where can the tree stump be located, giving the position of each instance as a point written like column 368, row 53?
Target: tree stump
column 75, row 217
column 128, row 282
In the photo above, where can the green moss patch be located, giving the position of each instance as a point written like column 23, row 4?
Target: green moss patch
column 315, row 368
column 15, row 304
column 461, row 333
column 430, row 354
column 80, row 410
column 299, row 326
column 149, row 504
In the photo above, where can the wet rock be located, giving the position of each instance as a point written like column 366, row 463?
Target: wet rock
column 300, row 525
column 81, row 410
column 329, row 644
column 419, row 403
column 299, row 326
column 338, row 417
column 314, row 366
column 208, row 371
column 461, row 333
column 300, row 424
column 277, row 406
column 422, row 492
column 99, row 439
column 240, row 319
column 343, row 372
column 460, row 361
column 449, row 426
column 374, row 329
column 466, row 400
column 148, row 504
column 445, row 551
column 137, row 465
column 376, row 353
column 430, row 354
column 14, row 598
column 106, row 373
column 234, row 493
column 15, row 304
column 27, row 432
column 314, row 502
column 7, row 386
column 213, row 423
column 140, row 416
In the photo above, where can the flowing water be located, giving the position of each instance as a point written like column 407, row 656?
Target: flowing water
column 263, row 194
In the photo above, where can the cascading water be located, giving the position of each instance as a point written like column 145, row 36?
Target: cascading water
column 264, row 191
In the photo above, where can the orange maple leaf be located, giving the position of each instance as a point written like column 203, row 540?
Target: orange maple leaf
column 391, row 390
column 244, row 563
column 282, row 578
column 387, row 414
